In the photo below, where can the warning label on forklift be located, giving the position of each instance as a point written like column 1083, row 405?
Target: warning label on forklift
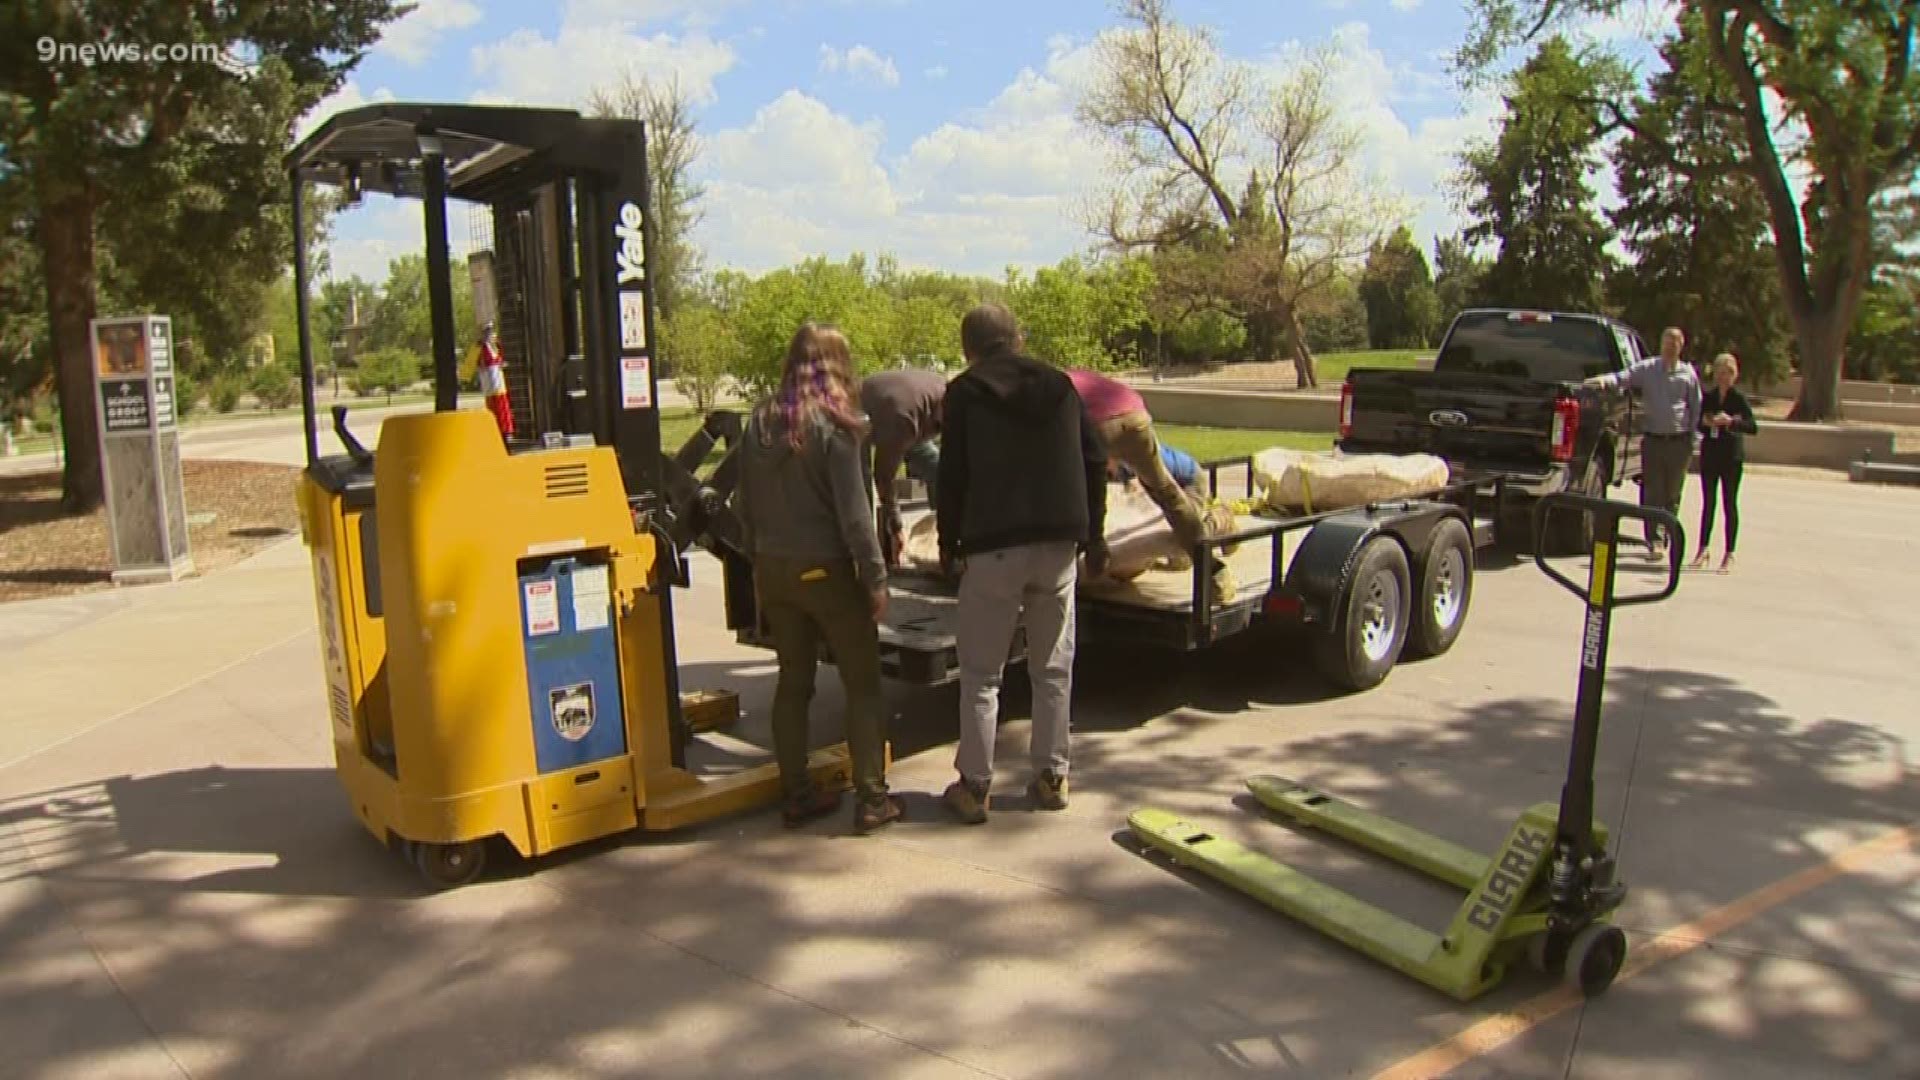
column 592, row 603
column 636, row 384
column 572, row 709
column 543, row 608
column 633, row 320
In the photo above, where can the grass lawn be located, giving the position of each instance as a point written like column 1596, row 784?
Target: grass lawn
column 1332, row 367
column 1213, row 444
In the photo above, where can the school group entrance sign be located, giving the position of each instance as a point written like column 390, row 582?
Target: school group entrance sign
column 140, row 448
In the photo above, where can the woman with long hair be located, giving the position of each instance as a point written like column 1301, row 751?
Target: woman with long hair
column 1725, row 421
column 818, row 573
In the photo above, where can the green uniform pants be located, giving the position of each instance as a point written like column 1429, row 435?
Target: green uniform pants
column 804, row 604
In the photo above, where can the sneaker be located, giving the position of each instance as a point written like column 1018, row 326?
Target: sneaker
column 966, row 802
column 878, row 813
column 808, row 806
column 1049, row 790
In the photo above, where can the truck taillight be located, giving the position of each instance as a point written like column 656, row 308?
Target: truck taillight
column 1346, row 409
column 1566, row 426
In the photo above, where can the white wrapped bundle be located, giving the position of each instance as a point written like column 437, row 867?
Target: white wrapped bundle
column 1303, row 480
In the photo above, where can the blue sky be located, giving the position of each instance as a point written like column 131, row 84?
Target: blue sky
column 940, row 132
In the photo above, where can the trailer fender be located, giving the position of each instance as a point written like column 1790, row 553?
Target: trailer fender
column 1323, row 566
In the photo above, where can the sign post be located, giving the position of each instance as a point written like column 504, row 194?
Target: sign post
column 140, row 448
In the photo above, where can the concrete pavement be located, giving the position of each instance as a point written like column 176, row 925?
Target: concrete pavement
column 184, row 892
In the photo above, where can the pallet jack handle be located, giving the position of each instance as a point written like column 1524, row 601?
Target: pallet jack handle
column 1606, row 527
column 1582, row 879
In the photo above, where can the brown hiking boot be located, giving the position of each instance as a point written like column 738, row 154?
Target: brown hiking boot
column 966, row 802
column 1049, row 791
column 878, row 813
column 808, row 806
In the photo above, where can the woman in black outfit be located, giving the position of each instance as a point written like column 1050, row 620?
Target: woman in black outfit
column 1725, row 421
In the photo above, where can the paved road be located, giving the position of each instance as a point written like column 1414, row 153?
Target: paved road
column 184, row 892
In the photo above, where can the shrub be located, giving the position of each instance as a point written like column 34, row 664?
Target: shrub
column 186, row 394
column 224, row 392
column 274, row 386
column 385, row 371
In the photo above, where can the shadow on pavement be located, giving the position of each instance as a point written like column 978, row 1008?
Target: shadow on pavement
column 262, row 932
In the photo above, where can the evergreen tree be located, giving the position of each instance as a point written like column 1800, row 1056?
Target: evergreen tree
column 1456, row 276
column 1403, row 311
column 1694, row 224
column 1530, row 190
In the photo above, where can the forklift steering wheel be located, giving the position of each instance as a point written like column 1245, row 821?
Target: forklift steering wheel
column 1607, row 515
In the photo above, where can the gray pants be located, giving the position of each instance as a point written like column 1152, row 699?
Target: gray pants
column 1663, row 476
column 1039, row 580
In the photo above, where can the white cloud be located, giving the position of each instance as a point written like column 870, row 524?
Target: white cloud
column 1404, row 5
column 369, row 236
column 936, row 72
column 861, row 64
column 597, row 41
column 994, row 187
column 349, row 96
column 412, row 38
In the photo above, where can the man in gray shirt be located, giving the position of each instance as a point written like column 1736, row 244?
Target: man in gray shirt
column 1670, row 399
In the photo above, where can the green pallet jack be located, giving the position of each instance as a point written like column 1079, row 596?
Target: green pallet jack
column 1548, row 893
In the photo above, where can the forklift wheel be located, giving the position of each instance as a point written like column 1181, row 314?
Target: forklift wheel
column 449, row 866
column 1594, row 958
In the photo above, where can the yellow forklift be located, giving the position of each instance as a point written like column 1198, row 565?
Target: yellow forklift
column 496, row 612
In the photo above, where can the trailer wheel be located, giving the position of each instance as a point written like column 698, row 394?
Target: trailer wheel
column 1446, row 588
column 1371, row 627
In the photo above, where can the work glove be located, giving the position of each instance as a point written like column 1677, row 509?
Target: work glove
column 1097, row 558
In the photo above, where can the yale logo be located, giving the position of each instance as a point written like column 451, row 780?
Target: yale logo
column 632, row 252
column 1516, row 868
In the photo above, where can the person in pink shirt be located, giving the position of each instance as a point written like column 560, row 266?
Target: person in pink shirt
column 1119, row 415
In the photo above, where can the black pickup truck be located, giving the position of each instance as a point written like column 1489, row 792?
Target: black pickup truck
column 1504, row 396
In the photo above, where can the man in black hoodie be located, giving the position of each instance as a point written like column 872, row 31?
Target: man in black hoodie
column 1022, row 492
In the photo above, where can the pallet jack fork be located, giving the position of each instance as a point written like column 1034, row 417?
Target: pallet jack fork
column 1548, row 892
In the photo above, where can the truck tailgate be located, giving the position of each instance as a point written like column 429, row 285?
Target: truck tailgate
column 1453, row 415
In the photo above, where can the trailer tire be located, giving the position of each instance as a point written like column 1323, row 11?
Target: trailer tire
column 1446, row 588
column 1370, row 628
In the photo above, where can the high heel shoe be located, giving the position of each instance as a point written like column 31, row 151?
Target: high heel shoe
column 1726, row 563
column 1699, row 561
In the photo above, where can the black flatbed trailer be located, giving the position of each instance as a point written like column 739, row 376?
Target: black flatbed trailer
column 1368, row 583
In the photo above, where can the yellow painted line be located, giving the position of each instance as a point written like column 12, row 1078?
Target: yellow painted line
column 1501, row 1028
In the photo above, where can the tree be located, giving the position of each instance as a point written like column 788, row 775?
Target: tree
column 403, row 317
column 673, row 145
column 705, row 351
column 101, row 146
column 1456, row 276
column 1403, row 312
column 1820, row 88
column 1529, row 186
column 1696, row 229
column 1182, row 121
